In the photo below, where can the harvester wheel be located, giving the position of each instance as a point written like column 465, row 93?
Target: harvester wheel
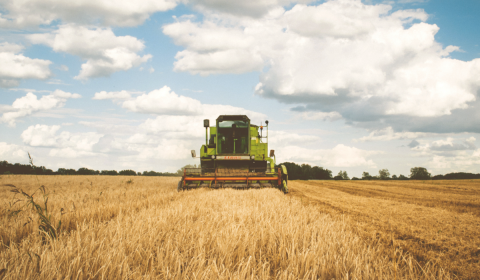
column 284, row 186
column 179, row 186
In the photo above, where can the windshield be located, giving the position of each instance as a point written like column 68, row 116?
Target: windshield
column 233, row 137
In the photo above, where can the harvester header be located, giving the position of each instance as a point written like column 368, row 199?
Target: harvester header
column 235, row 156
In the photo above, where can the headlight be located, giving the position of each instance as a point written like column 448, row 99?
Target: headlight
column 252, row 157
column 213, row 157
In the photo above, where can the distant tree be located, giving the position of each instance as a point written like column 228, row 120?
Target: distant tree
column 321, row 174
column 394, row 177
column 461, row 175
column 307, row 173
column 180, row 171
column 366, row 176
column 64, row 171
column 419, row 173
column 128, row 172
column 343, row 174
column 355, row 178
column 402, row 177
column 338, row 177
column 139, row 173
column 86, row 171
column 383, row 174
column 109, row 172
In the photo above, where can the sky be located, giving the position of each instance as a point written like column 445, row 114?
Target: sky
column 345, row 84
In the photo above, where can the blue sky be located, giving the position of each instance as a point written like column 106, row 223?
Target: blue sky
column 346, row 85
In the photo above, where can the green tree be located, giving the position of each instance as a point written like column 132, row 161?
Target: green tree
column 366, row 176
column 383, row 174
column 343, row 174
column 419, row 173
column 180, row 171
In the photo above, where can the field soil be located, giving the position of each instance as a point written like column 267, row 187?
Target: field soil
column 128, row 227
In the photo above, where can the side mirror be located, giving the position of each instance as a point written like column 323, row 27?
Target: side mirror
column 194, row 154
column 206, row 123
column 272, row 153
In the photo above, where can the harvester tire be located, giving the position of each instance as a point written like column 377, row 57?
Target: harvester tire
column 179, row 186
column 284, row 186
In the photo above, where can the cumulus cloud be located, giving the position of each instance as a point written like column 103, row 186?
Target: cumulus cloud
column 15, row 66
column 178, row 115
column 362, row 61
column 324, row 116
column 182, row 126
column 30, row 103
column 463, row 161
column 30, row 13
column 284, row 138
column 105, row 53
column 64, row 144
column 338, row 156
column 449, row 146
column 389, row 134
column 213, row 49
column 113, row 95
column 163, row 102
column 12, row 152
column 249, row 8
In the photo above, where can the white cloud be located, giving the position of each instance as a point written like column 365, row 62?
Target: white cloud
column 180, row 116
column 389, row 134
column 105, row 53
column 11, row 48
column 251, row 8
column 64, row 144
column 339, row 156
column 284, row 138
column 15, row 67
column 212, row 49
column 450, row 146
column 163, row 102
column 464, row 161
column 40, row 135
column 29, row 104
column 114, row 95
column 342, row 51
column 166, row 149
column 190, row 126
column 13, row 153
column 70, row 152
column 324, row 116
column 30, row 13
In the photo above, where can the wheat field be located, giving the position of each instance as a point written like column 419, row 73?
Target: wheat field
column 116, row 227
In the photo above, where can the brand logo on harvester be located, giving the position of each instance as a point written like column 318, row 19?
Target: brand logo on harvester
column 232, row 157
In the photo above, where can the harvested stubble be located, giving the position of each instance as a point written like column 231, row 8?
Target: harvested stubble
column 146, row 229
column 431, row 220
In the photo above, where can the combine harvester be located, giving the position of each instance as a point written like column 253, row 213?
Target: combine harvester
column 235, row 156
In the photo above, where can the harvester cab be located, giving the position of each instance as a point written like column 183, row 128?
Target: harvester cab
column 235, row 156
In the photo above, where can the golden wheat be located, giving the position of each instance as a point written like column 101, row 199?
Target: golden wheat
column 434, row 221
column 116, row 229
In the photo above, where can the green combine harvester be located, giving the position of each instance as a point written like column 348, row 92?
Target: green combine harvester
column 235, row 156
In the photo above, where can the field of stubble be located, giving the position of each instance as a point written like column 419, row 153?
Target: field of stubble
column 140, row 227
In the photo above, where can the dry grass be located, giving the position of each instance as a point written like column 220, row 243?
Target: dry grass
column 145, row 229
column 430, row 220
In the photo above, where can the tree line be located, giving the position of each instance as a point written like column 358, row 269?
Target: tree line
column 17, row 168
column 307, row 172
column 295, row 172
